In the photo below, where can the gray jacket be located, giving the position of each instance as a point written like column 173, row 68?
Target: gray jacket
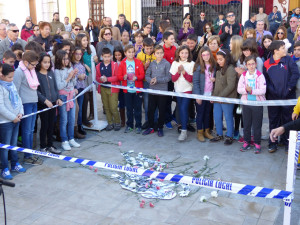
column 199, row 81
column 7, row 112
column 161, row 71
column 28, row 95
column 105, row 44
column 61, row 76
column 5, row 45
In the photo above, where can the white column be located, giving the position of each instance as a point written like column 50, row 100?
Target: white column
column 245, row 11
column 83, row 12
column 186, row 9
column 111, row 10
column 136, row 11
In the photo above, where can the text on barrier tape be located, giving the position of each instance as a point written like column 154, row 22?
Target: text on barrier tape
column 242, row 189
column 208, row 98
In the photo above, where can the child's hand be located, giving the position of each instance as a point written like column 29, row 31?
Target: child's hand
column 199, row 101
column 212, row 79
column 59, row 102
column 125, row 77
column 20, row 116
column 180, row 69
column 134, row 78
column 153, row 81
column 16, row 120
column 87, row 68
column 75, row 91
column 82, row 76
column 294, row 116
column 104, row 79
column 48, row 103
column 95, row 59
column 75, row 71
column 249, row 89
column 147, row 65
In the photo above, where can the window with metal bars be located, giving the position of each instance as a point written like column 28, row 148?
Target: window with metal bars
column 97, row 10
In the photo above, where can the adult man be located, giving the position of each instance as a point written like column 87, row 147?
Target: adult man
column 122, row 25
column 28, row 18
column 27, row 31
column 292, row 30
column 12, row 38
column 36, row 33
column 260, row 32
column 44, row 38
column 297, row 13
column 274, row 20
column 201, row 23
column 68, row 26
column 2, row 31
column 75, row 30
column 228, row 29
column 107, row 22
column 56, row 25
column 251, row 23
column 153, row 32
column 262, row 16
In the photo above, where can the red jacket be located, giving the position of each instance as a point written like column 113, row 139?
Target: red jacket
column 25, row 34
column 169, row 53
column 139, row 73
column 113, row 79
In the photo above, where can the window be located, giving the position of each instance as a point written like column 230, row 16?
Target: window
column 97, row 10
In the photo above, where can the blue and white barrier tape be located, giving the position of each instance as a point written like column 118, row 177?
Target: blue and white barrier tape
column 207, row 98
column 55, row 106
column 242, row 189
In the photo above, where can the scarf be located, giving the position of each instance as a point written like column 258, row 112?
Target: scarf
column 31, row 76
column 215, row 53
column 13, row 94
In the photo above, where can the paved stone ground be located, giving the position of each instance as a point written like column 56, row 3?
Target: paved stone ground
column 65, row 193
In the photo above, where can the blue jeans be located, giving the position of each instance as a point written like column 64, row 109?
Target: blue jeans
column 80, row 102
column 146, row 100
column 218, row 116
column 27, row 127
column 133, row 103
column 67, row 120
column 9, row 136
column 203, row 114
column 183, row 106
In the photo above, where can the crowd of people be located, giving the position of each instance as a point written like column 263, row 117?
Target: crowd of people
column 50, row 63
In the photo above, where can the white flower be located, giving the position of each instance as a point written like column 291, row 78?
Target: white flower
column 146, row 164
column 202, row 199
column 205, row 157
column 132, row 185
column 131, row 151
column 214, row 194
column 126, row 182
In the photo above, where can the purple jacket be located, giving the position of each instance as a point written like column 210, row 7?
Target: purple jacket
column 182, row 35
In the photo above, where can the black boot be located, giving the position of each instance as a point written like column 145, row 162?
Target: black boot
column 81, row 130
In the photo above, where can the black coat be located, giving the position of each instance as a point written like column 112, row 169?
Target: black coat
column 154, row 32
column 225, row 37
column 95, row 33
column 125, row 26
column 199, row 27
column 47, row 41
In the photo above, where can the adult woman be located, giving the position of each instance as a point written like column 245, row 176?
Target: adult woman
column 297, row 35
column 208, row 31
column 44, row 38
column 134, row 28
column 107, row 42
column 185, row 30
column 163, row 25
column 281, row 35
column 225, row 86
column 214, row 45
column 249, row 33
column 146, row 30
column 266, row 41
column 93, row 31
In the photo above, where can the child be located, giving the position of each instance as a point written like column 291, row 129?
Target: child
column 80, row 86
column 89, row 60
column 138, row 45
column 118, row 57
column 106, row 72
column 158, row 76
column 203, row 84
column 66, row 81
column 26, row 82
column 11, row 111
column 9, row 58
column 18, row 51
column 252, row 86
column 131, row 73
column 225, row 86
column 169, row 55
column 146, row 56
column 47, row 97
column 182, row 76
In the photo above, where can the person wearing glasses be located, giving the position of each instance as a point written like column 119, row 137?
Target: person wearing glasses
column 107, row 42
column 201, row 23
column 3, row 33
column 185, row 30
column 27, row 31
column 229, row 28
column 75, row 30
column 292, row 30
column 281, row 35
column 12, row 38
column 296, row 13
column 274, row 20
column 107, row 22
column 93, row 31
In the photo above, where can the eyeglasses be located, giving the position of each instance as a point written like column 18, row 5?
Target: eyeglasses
column 187, row 23
column 33, row 65
column 251, row 64
column 36, row 30
column 293, row 21
column 204, row 55
column 79, row 54
column 280, row 33
column 66, row 59
column 15, row 31
column 106, row 34
column 230, row 15
column 207, row 28
column 77, row 29
column 202, row 14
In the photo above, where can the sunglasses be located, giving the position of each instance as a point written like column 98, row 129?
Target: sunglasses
column 280, row 33
column 77, row 29
column 202, row 14
column 186, row 23
column 36, row 30
column 231, row 15
column 15, row 31
column 135, row 25
column 293, row 21
column 106, row 34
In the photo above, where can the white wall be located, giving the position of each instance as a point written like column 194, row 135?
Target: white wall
column 82, row 7
column 15, row 11
column 280, row 8
column 111, row 10
column 136, row 11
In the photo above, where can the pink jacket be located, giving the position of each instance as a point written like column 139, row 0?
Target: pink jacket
column 260, row 87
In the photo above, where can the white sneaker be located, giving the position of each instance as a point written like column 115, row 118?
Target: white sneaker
column 66, row 146
column 183, row 135
column 74, row 144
